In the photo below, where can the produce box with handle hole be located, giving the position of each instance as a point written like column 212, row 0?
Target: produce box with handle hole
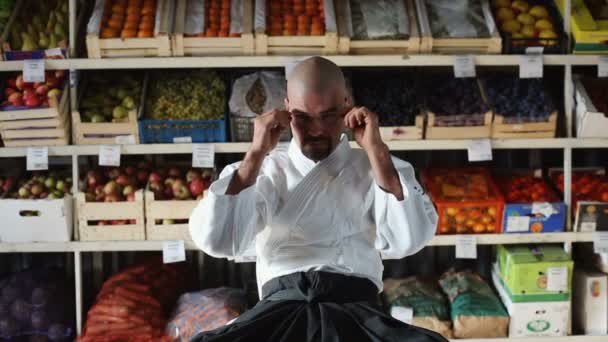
column 184, row 104
column 525, row 271
column 456, row 109
column 589, row 24
column 532, row 206
column 113, row 32
column 530, row 23
column 36, row 114
column 457, row 27
column 307, row 27
column 213, row 27
column 377, row 27
column 108, row 107
column 467, row 200
column 523, row 108
column 591, row 97
column 37, row 30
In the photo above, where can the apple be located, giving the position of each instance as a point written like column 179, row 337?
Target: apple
column 24, row 192
column 15, row 97
column 113, row 173
column 207, row 175
column 37, row 189
column 60, row 74
column 192, row 174
column 168, row 193
column 122, row 180
column 128, row 190
column 19, row 82
column 33, row 102
column 11, row 83
column 130, row 197
column 142, row 176
column 197, row 186
column 50, row 183
column 169, row 181
column 112, row 197
column 8, row 92
column 174, row 172
column 111, row 187
column 155, row 177
column 42, row 90
column 180, row 190
column 53, row 93
column 61, row 185
column 130, row 170
column 156, row 186
column 52, row 82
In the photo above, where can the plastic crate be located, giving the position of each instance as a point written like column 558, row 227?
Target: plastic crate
column 460, row 212
column 164, row 131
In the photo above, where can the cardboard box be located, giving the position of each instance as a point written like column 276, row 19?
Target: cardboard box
column 590, row 122
column 534, row 319
column 591, row 302
column 591, row 216
column 519, row 218
column 39, row 220
column 524, row 270
column 590, row 34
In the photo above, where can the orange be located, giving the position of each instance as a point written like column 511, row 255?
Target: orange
column 235, row 34
column 146, row 26
column 224, row 33
column 311, row 10
column 225, row 12
column 289, row 33
column 147, row 18
column 214, row 13
column 133, row 18
column 145, row 34
column 115, row 24
column 132, row 10
column 298, row 9
column 303, row 19
column 128, row 34
column 537, row 227
column 148, row 10
column 211, row 33
column 109, row 33
column 118, row 9
column 117, row 16
column 290, row 25
column 225, row 25
column 131, row 25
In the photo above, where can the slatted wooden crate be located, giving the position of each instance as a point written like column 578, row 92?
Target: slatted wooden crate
column 97, row 211
column 415, row 132
column 212, row 46
column 347, row 45
column 157, row 46
column 458, row 132
column 168, row 209
column 430, row 44
column 501, row 129
column 296, row 45
column 38, row 126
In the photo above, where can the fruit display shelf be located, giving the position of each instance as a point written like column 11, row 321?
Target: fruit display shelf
column 348, row 43
column 209, row 42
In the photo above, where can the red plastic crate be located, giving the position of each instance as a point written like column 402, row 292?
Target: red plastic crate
column 467, row 200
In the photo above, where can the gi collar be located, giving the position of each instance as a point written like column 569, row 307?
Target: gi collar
column 334, row 162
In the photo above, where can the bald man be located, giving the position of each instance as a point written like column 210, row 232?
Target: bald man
column 322, row 217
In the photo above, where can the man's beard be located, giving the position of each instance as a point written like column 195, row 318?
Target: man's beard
column 317, row 149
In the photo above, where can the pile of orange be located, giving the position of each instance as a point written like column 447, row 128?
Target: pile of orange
column 128, row 19
column 295, row 18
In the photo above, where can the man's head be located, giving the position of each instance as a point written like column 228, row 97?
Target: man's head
column 318, row 99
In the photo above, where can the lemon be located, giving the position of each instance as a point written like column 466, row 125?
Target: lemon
column 520, row 6
column 525, row 19
column 504, row 13
column 528, row 31
column 547, row 34
column 539, row 12
column 511, row 26
column 543, row 24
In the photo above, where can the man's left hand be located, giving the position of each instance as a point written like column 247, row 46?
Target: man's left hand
column 364, row 124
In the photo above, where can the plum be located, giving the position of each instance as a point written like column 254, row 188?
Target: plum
column 9, row 327
column 58, row 332
column 21, row 310
column 39, row 320
column 40, row 296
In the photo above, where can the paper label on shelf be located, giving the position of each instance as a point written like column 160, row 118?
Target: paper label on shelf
column 33, row 70
column 203, row 155
column 37, row 158
column 466, row 247
column 557, row 279
column 602, row 66
column 109, row 155
column 600, row 242
column 53, row 52
column 182, row 140
column 464, row 66
column 543, row 208
column 479, row 150
column 518, row 224
column 531, row 66
column 174, row 251
column 588, row 226
column 535, row 50
column 125, row 139
column 403, row 313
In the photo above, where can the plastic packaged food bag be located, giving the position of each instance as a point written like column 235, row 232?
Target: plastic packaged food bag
column 205, row 310
column 258, row 93
column 381, row 19
column 430, row 307
column 458, row 18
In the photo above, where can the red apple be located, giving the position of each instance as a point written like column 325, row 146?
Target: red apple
column 112, row 197
column 174, row 172
column 142, row 176
column 192, row 174
column 122, row 180
column 60, row 74
column 29, row 93
column 169, row 181
column 155, row 177
column 131, row 197
column 15, row 98
column 32, row 102
column 11, row 83
column 207, row 175
column 38, row 84
column 197, row 186
column 42, row 90
column 19, row 82
column 52, row 82
column 45, row 103
column 8, row 92
column 180, row 190
column 156, row 186
column 168, row 193
column 130, row 170
column 113, row 173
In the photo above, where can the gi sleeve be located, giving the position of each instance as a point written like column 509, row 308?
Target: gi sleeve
column 403, row 227
column 224, row 226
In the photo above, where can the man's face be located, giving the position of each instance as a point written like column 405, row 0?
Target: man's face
column 317, row 122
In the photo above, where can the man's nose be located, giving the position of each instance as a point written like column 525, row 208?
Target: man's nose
column 315, row 128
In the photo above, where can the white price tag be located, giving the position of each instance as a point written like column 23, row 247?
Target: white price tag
column 531, row 66
column 37, row 158
column 464, row 66
column 403, row 313
column 33, row 70
column 203, row 155
column 588, row 226
column 535, row 50
column 174, row 251
column 600, row 242
column 54, row 52
column 557, row 279
column 125, row 139
column 517, row 224
column 182, row 140
column 479, row 150
column 466, row 247
column 282, row 147
column 543, row 208
column 109, row 155
column 602, row 66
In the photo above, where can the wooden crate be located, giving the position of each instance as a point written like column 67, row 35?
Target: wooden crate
column 296, row 45
column 38, row 126
column 463, row 132
column 96, row 211
column 346, row 45
column 158, row 46
column 429, row 44
column 389, row 133
column 170, row 209
column 212, row 46
column 547, row 129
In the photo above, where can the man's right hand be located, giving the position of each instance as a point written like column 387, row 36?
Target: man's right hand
column 267, row 130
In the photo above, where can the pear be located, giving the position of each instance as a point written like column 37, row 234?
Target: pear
column 51, row 22
column 16, row 40
column 43, row 42
column 59, row 31
column 37, row 23
column 28, row 43
column 60, row 17
column 65, row 8
column 53, row 42
column 31, row 31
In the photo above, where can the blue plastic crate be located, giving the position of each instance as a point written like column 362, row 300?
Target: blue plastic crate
column 164, row 131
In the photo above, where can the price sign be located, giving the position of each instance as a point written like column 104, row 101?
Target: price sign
column 33, row 70
column 403, row 313
column 557, row 279
column 602, row 66
column 466, row 247
column 174, row 251
column 480, row 150
column 531, row 66
column 203, row 155
column 37, row 158
column 109, row 155
column 517, row 224
column 600, row 242
column 464, row 66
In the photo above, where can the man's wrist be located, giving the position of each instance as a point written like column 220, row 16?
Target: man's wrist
column 377, row 148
